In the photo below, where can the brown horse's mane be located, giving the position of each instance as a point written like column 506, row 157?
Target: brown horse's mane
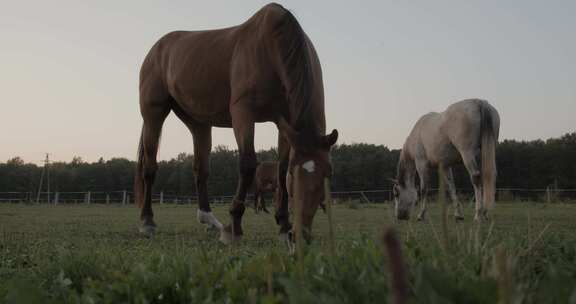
column 297, row 63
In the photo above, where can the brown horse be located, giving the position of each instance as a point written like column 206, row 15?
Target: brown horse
column 265, row 181
column 265, row 69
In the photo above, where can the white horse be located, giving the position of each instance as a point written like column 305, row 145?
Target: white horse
column 467, row 130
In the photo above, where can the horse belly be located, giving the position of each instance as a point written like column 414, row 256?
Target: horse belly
column 201, row 99
column 449, row 155
column 198, row 77
column 439, row 150
column 212, row 112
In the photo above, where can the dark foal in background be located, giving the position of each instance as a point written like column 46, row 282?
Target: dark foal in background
column 265, row 69
column 265, row 181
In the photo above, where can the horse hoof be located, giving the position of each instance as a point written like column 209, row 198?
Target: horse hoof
column 459, row 218
column 420, row 218
column 288, row 239
column 147, row 230
column 227, row 238
column 208, row 219
column 210, row 229
column 479, row 219
column 481, row 216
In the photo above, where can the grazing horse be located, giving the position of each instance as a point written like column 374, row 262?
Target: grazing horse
column 265, row 69
column 467, row 130
column 265, row 181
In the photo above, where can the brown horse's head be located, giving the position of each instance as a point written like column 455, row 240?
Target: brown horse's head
column 309, row 165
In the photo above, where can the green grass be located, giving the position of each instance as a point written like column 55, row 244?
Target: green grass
column 93, row 254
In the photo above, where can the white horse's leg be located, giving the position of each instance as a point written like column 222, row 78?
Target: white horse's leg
column 422, row 168
column 472, row 167
column 449, row 178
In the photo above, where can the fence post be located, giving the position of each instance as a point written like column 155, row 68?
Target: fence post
column 365, row 197
column 128, row 198
column 124, row 197
column 161, row 197
column 107, row 198
column 548, row 194
column 56, row 198
column 87, row 198
column 557, row 195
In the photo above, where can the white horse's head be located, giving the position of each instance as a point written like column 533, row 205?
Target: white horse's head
column 405, row 197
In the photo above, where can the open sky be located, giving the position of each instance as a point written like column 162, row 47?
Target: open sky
column 69, row 69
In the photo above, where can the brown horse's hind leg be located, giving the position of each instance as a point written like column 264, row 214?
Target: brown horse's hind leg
column 244, row 133
column 202, row 136
column 147, row 166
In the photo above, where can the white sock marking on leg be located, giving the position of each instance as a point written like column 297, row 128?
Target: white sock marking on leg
column 209, row 219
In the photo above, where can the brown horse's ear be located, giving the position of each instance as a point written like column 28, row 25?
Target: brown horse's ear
column 287, row 131
column 330, row 139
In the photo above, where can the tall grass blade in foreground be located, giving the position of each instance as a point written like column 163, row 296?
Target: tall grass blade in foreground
column 398, row 282
column 328, row 203
column 298, row 221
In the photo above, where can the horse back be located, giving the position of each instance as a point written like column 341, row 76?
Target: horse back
column 205, row 72
column 462, row 122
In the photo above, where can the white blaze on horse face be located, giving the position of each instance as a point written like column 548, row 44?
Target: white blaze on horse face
column 309, row 166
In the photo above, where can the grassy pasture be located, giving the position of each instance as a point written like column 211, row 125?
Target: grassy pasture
column 93, row 254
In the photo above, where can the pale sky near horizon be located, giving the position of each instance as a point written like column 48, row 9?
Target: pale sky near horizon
column 69, row 69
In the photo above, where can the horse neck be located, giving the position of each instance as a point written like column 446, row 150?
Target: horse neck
column 302, row 77
column 406, row 170
column 292, row 54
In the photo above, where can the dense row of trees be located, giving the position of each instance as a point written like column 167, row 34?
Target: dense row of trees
column 525, row 164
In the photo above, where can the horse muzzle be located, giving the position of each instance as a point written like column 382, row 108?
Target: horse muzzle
column 403, row 215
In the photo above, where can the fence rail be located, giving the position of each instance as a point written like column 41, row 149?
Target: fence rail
column 365, row 196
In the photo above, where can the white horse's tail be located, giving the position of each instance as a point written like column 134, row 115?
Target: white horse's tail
column 488, row 151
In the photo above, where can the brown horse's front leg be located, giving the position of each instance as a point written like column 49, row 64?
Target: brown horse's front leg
column 281, row 197
column 244, row 132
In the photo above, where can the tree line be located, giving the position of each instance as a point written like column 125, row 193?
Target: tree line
column 521, row 164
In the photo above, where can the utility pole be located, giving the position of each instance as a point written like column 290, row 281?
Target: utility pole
column 44, row 171
column 47, row 166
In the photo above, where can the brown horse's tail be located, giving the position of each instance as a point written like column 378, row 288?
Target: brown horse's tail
column 489, row 139
column 139, row 174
